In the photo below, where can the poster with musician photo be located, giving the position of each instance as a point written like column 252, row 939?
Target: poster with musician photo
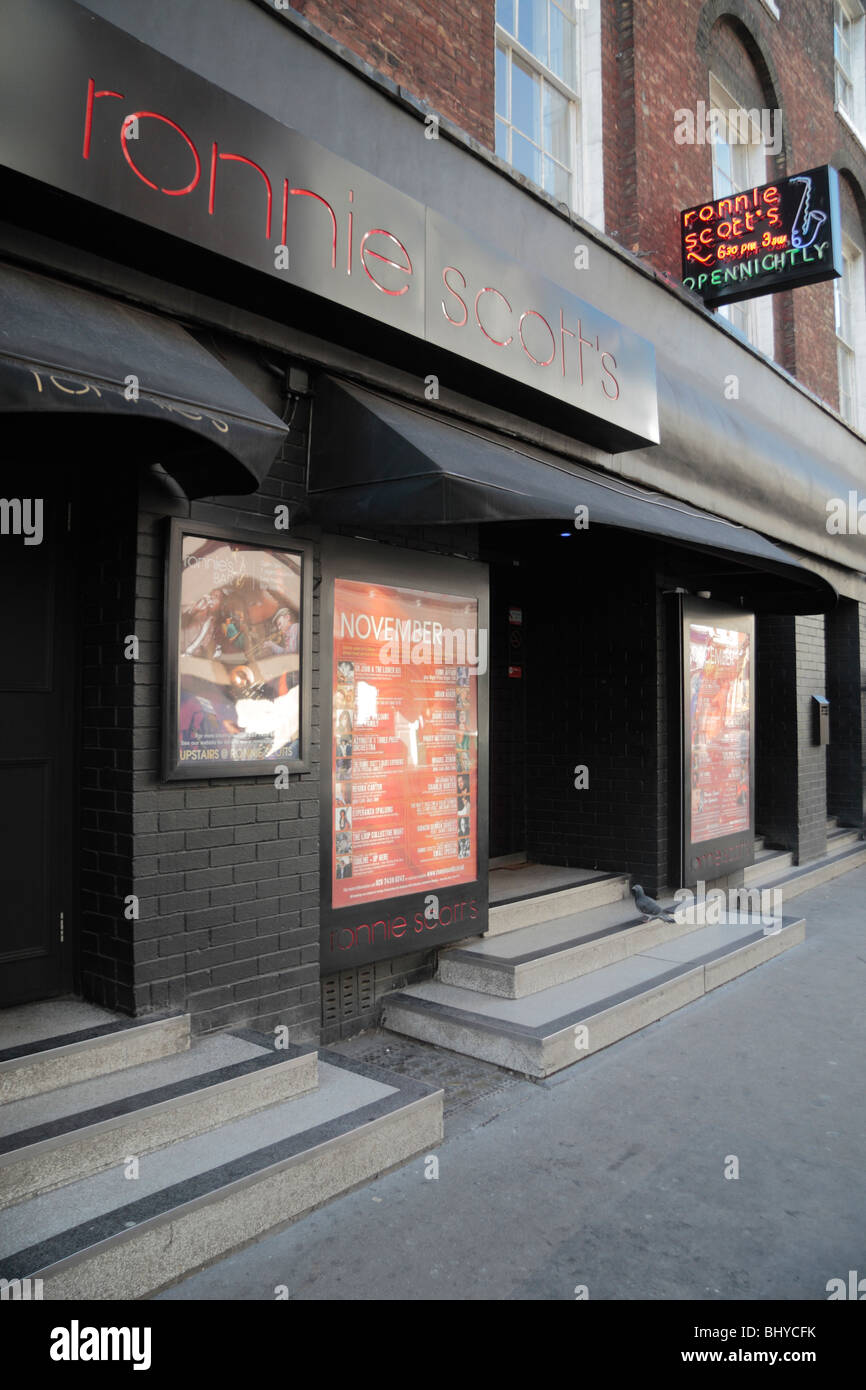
column 237, row 632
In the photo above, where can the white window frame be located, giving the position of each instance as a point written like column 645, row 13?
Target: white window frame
column 753, row 317
column 853, row 111
column 852, row 349
column 586, row 175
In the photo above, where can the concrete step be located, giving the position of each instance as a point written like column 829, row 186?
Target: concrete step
column 545, row 1032
column 802, row 877
column 595, row 890
column 844, row 835
column 111, row 1237
column 767, row 861
column 42, row 1048
column 62, row 1136
column 760, row 843
column 534, row 958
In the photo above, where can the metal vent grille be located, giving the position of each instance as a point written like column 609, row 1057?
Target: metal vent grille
column 347, row 995
column 330, row 999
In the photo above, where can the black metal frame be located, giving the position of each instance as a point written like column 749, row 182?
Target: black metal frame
column 172, row 769
column 406, row 569
column 726, row 853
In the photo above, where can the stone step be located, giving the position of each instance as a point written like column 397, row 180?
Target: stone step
column 62, row 1136
column 802, row 877
column 109, row 1237
column 844, row 835
column 534, row 958
column 595, row 890
column 33, row 1060
column 545, row 1032
column 767, row 861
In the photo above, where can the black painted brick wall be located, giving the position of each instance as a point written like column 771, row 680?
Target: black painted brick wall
column 507, row 711
column 595, row 696
column 811, row 759
column 791, row 792
column 226, row 872
column 776, row 730
column 104, row 528
column 845, row 754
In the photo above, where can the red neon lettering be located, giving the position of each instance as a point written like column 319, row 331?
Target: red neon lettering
column 458, row 323
column 172, row 192
column 308, row 193
column 530, row 313
column 365, row 252
column 88, row 113
column 239, row 159
column 490, row 290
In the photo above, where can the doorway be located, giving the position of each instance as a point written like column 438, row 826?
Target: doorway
column 38, row 685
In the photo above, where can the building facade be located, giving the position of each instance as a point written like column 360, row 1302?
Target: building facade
column 367, row 462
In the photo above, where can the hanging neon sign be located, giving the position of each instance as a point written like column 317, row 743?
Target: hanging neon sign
column 764, row 239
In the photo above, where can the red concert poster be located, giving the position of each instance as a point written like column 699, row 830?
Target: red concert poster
column 404, row 741
column 720, row 685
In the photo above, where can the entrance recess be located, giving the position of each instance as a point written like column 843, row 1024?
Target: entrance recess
column 37, row 685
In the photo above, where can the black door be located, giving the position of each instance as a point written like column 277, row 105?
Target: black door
column 37, row 685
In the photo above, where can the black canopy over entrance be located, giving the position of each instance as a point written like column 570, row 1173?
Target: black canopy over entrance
column 376, row 462
column 80, row 369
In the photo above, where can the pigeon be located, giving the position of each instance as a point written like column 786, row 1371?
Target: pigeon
column 648, row 906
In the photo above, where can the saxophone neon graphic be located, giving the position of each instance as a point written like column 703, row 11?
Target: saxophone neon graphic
column 806, row 219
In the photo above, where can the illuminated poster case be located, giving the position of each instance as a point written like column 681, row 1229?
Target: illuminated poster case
column 718, row 701
column 404, row 753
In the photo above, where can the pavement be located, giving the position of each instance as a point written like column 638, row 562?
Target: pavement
column 615, row 1179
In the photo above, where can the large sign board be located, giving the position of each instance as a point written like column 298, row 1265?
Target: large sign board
column 404, row 856
column 88, row 109
column 764, row 239
column 718, row 740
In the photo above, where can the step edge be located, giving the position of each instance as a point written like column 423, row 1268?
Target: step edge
column 189, row 1090
column 225, row 1191
column 545, row 1030
column 506, row 963
column 32, row 1054
column 601, row 877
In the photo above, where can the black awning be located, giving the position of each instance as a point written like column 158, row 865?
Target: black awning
column 376, row 462
column 70, row 358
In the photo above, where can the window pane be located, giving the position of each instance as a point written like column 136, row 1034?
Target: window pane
column 505, row 14
column 525, row 100
column 562, row 47
column 501, row 139
column 532, row 26
column 501, row 83
column 525, row 157
column 556, row 141
column 557, row 181
column 722, row 158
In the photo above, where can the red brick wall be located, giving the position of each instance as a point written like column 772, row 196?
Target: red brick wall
column 656, row 58
column 442, row 51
